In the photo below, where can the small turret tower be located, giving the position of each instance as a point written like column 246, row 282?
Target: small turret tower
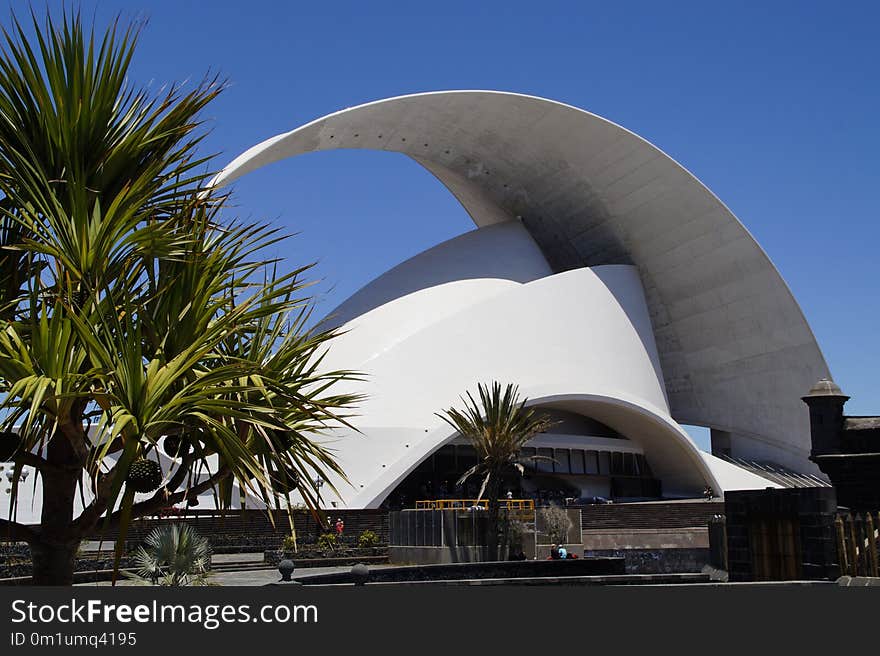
column 826, row 401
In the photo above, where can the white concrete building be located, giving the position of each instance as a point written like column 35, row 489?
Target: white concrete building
column 602, row 277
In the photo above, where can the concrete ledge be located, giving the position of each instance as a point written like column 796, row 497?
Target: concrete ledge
column 622, row 579
column 78, row 577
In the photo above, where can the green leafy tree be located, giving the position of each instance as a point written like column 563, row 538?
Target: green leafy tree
column 131, row 310
column 497, row 426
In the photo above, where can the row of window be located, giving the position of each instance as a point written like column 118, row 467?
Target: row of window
column 460, row 457
column 581, row 461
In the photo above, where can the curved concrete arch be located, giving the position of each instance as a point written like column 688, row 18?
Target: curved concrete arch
column 672, row 454
column 735, row 348
column 600, row 349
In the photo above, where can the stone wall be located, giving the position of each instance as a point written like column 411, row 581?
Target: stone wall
column 656, row 561
column 807, row 512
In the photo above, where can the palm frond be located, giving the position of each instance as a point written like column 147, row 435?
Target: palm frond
column 129, row 309
column 497, row 426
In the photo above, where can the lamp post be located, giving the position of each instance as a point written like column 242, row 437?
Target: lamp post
column 319, row 483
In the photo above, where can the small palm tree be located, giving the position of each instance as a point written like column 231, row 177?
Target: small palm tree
column 174, row 556
column 497, row 426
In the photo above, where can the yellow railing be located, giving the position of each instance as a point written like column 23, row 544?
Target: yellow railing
column 463, row 504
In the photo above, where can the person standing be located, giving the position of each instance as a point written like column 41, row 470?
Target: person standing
column 340, row 527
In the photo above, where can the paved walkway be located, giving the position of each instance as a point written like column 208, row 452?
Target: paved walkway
column 256, row 557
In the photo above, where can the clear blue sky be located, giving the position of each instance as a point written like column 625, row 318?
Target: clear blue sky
column 774, row 105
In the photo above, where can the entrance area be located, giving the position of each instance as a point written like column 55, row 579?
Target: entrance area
column 582, row 461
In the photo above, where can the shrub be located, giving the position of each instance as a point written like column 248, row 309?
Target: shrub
column 368, row 539
column 557, row 523
column 288, row 543
column 173, row 556
column 327, row 541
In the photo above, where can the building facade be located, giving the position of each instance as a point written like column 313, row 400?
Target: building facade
column 602, row 277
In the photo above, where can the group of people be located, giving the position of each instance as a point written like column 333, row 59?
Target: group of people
column 337, row 527
column 559, row 552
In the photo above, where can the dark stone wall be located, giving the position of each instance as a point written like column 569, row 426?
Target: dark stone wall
column 845, row 448
column 254, row 530
column 15, row 561
column 656, row 561
column 855, row 476
column 812, row 510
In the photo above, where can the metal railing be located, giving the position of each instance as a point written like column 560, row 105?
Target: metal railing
column 464, row 504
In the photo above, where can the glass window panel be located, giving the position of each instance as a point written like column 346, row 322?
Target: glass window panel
column 591, row 462
column 577, row 461
column 420, row 528
column 616, row 462
column 604, row 463
column 629, row 464
column 445, row 462
column 437, row 536
column 544, row 465
column 466, row 457
column 563, row 463
column 525, row 455
column 465, row 524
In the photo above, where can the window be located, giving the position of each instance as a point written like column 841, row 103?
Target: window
column 545, row 465
column 616, row 462
column 563, row 461
column 591, row 462
column 604, row 463
column 465, row 456
column 577, row 461
column 444, row 461
column 525, row 456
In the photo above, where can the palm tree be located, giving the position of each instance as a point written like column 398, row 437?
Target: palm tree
column 497, row 427
column 173, row 555
column 132, row 311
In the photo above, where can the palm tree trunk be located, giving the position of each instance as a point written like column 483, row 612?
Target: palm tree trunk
column 53, row 564
column 54, row 551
